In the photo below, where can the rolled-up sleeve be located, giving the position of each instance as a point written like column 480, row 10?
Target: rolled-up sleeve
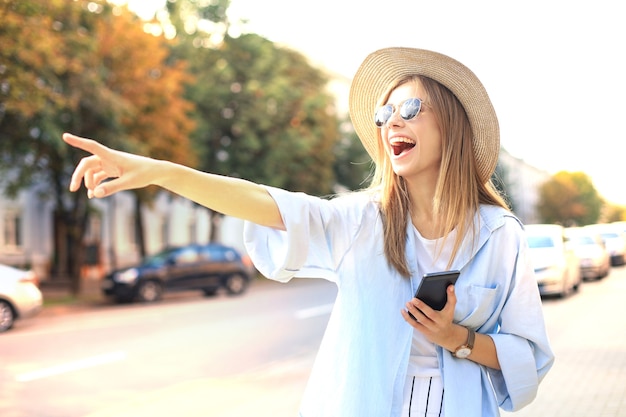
column 318, row 233
column 522, row 343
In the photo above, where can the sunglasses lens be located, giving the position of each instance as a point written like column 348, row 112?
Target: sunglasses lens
column 410, row 108
column 382, row 115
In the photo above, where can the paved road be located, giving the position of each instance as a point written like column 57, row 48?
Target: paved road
column 187, row 356
column 587, row 330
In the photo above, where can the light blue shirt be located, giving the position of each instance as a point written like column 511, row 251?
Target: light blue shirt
column 362, row 362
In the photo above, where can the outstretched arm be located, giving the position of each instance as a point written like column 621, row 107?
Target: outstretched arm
column 230, row 196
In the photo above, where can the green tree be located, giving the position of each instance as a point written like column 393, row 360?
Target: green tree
column 266, row 116
column 570, row 199
column 263, row 112
column 353, row 166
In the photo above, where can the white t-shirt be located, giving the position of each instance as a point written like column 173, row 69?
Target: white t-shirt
column 430, row 258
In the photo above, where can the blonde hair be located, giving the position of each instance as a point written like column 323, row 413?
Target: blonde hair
column 459, row 191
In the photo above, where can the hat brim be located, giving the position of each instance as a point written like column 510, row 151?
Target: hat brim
column 385, row 66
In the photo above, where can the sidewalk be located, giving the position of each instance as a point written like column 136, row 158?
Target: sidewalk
column 588, row 334
column 58, row 298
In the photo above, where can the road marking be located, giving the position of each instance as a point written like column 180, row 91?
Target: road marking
column 308, row 313
column 71, row 366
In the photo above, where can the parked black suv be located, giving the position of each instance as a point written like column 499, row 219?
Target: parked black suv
column 194, row 267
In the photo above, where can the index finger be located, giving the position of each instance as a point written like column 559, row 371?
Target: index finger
column 85, row 144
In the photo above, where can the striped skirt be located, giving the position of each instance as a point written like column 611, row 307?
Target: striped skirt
column 423, row 397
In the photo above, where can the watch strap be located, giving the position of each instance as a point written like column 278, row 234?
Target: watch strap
column 465, row 349
column 471, row 337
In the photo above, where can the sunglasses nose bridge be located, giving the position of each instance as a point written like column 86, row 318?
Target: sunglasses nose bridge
column 394, row 116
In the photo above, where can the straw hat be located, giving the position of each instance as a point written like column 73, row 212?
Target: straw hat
column 383, row 67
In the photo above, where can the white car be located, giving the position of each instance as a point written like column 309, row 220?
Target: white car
column 19, row 296
column 587, row 244
column 557, row 268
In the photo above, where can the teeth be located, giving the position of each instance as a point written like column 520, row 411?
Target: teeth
column 402, row 140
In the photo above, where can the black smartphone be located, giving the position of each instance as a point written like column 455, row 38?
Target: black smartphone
column 432, row 289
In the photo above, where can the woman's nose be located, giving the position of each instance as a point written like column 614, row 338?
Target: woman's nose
column 395, row 119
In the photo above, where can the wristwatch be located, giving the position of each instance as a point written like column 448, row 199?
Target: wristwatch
column 465, row 350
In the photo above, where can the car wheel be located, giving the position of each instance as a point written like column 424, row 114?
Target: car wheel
column 236, row 284
column 149, row 291
column 7, row 316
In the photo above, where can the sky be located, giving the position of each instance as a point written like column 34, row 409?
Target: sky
column 554, row 69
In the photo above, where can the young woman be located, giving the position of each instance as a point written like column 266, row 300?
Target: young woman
column 431, row 130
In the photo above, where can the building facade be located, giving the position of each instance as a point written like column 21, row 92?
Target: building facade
column 26, row 230
column 522, row 183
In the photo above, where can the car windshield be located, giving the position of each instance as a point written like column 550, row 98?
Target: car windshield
column 540, row 242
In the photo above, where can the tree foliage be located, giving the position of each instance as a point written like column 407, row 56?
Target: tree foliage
column 613, row 213
column 263, row 112
column 570, row 199
column 89, row 68
column 353, row 166
column 197, row 95
column 265, row 115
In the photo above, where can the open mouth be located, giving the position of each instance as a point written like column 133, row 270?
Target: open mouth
column 399, row 145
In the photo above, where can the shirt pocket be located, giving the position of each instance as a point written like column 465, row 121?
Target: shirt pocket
column 477, row 306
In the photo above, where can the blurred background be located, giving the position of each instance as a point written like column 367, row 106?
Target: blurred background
column 191, row 81
column 258, row 90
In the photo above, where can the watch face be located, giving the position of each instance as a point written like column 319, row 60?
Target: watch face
column 463, row 352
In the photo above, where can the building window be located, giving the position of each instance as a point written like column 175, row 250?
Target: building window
column 13, row 239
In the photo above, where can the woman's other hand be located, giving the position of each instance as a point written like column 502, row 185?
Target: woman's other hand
column 436, row 326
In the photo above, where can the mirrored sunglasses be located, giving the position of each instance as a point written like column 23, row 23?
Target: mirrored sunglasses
column 409, row 109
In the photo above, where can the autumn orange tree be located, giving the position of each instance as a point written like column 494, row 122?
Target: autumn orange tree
column 89, row 68
column 154, row 116
column 613, row 213
column 570, row 199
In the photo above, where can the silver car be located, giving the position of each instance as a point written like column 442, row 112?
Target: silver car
column 19, row 295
